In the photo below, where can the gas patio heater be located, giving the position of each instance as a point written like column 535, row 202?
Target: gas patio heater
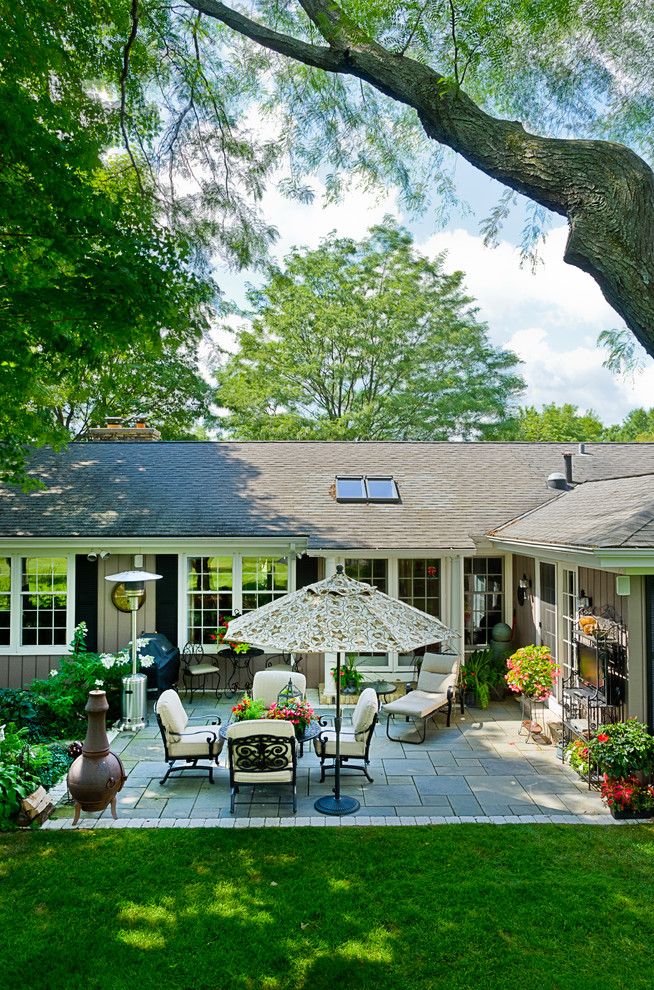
column 338, row 615
column 134, row 698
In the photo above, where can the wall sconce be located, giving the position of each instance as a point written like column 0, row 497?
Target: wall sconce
column 524, row 587
column 583, row 600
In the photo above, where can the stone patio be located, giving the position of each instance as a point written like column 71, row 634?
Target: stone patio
column 480, row 769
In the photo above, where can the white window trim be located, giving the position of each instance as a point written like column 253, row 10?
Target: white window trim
column 15, row 647
column 237, row 590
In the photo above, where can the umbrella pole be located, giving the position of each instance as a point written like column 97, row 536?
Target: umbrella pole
column 337, row 805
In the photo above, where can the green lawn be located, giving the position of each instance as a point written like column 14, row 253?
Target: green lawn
column 463, row 906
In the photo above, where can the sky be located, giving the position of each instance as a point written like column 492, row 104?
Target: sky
column 551, row 318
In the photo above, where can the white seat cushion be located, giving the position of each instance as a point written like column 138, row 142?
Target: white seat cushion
column 416, row 704
column 364, row 712
column 193, row 742
column 201, row 668
column 265, row 777
column 268, row 683
column 350, row 745
column 252, row 728
column 170, row 710
column 438, row 672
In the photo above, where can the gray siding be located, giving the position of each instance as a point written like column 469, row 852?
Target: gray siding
column 114, row 630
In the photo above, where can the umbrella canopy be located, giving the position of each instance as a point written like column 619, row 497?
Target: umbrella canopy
column 338, row 615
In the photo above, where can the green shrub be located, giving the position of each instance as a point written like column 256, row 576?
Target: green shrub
column 15, row 784
column 27, row 709
column 622, row 748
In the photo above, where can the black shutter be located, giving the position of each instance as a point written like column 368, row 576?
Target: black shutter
column 86, row 597
column 649, row 677
column 166, row 612
column 306, row 571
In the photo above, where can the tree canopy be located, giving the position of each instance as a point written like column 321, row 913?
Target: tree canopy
column 365, row 341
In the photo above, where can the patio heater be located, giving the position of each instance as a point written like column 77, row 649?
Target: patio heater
column 134, row 696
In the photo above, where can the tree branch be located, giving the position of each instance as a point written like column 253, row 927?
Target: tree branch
column 604, row 189
column 127, row 50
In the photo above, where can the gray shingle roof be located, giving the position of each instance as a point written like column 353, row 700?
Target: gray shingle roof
column 613, row 513
column 451, row 493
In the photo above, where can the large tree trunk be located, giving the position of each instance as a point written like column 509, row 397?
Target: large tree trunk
column 604, row 189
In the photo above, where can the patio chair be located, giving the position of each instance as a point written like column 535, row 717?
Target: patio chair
column 261, row 751
column 355, row 739
column 195, row 669
column 435, row 690
column 184, row 742
column 268, row 683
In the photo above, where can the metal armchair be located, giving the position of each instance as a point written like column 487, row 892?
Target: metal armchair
column 261, row 751
column 182, row 742
column 355, row 739
column 195, row 669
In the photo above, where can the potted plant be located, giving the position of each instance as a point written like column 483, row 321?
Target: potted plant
column 248, row 708
column 351, row 678
column 623, row 753
column 297, row 711
column 476, row 677
column 628, row 797
column 532, row 671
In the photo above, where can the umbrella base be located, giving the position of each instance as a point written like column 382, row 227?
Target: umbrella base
column 337, row 806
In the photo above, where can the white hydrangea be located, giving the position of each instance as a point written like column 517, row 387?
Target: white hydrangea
column 107, row 660
column 99, row 684
column 53, row 673
column 146, row 661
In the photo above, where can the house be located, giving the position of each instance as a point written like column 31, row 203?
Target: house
column 471, row 532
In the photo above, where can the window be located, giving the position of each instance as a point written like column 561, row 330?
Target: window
column 209, row 592
column 5, row 601
column 483, row 583
column 373, row 571
column 43, row 601
column 568, row 623
column 263, row 580
column 548, row 607
column 367, row 489
column 419, row 585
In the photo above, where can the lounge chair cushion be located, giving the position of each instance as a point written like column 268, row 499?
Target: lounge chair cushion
column 416, row 704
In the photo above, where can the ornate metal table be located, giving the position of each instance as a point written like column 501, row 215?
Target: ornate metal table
column 240, row 661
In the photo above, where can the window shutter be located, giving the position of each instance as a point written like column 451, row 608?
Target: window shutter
column 86, row 598
column 167, row 589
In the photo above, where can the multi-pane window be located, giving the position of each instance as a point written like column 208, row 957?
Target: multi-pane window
column 419, row 585
column 209, row 592
column 483, row 583
column 568, row 623
column 372, row 571
column 44, row 594
column 263, row 579
column 5, row 601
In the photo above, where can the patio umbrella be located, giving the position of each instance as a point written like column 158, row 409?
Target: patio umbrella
column 338, row 615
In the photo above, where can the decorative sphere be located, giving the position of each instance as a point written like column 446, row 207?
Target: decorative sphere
column 501, row 632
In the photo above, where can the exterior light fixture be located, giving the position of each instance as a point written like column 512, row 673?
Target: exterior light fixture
column 134, row 684
column 583, row 600
column 524, row 586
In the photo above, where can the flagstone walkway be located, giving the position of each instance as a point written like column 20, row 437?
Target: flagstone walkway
column 480, row 769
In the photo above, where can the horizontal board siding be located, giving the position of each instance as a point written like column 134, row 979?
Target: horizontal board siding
column 18, row 672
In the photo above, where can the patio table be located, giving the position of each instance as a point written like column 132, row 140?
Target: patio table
column 240, row 661
column 313, row 730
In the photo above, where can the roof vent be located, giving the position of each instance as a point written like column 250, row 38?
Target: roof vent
column 557, row 481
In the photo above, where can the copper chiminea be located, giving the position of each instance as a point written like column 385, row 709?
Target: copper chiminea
column 97, row 775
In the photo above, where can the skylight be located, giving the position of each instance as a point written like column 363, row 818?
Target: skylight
column 360, row 488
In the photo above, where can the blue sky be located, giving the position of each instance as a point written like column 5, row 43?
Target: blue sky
column 551, row 319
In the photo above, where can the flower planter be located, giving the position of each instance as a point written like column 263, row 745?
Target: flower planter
column 630, row 814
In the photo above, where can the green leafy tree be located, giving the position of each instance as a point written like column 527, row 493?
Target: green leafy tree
column 542, row 96
column 365, row 340
column 638, row 426
column 551, row 424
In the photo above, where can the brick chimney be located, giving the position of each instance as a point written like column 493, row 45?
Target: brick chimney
column 135, row 430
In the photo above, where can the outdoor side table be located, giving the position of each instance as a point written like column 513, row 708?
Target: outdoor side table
column 529, row 708
column 382, row 689
column 239, row 662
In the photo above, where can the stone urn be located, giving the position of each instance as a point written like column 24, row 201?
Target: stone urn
column 96, row 776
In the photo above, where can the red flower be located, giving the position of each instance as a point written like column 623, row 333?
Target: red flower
column 602, row 737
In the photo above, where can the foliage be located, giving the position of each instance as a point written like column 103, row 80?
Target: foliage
column 247, row 709
column 267, row 881
column 365, row 340
column 296, row 710
column 220, row 636
column 27, row 709
column 65, row 692
column 638, row 426
column 483, row 694
column 532, row 671
column 576, row 754
column 629, row 794
column 46, row 763
column 622, row 748
column 552, row 424
column 349, row 675
column 15, row 784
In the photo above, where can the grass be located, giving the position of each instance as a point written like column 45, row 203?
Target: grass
column 562, row 907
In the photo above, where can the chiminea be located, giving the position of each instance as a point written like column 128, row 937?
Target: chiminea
column 97, row 775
